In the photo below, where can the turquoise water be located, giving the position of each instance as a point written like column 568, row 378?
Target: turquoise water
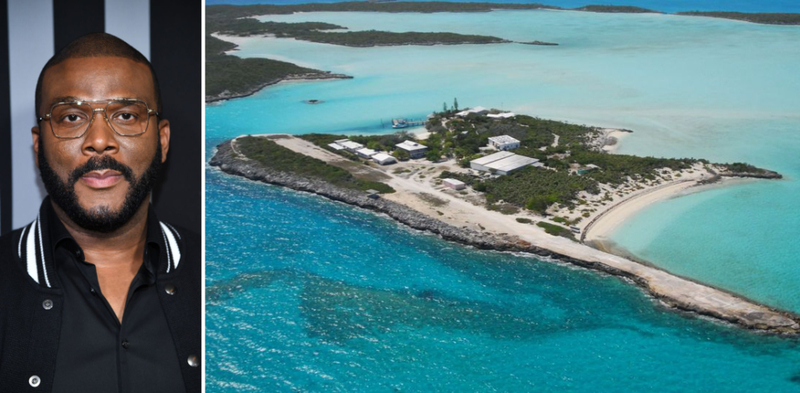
column 309, row 295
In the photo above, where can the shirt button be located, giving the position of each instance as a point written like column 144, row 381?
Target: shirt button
column 126, row 344
column 47, row 304
column 193, row 360
column 34, row 381
column 170, row 289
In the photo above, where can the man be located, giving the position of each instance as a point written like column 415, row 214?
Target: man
column 98, row 295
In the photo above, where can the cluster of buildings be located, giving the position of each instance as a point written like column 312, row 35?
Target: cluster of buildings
column 414, row 150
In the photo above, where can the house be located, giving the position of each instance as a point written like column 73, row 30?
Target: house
column 350, row 145
column 454, row 184
column 335, row 146
column 383, row 159
column 365, row 152
column 503, row 142
column 414, row 149
column 480, row 163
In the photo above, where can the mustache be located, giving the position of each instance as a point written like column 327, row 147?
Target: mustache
column 97, row 163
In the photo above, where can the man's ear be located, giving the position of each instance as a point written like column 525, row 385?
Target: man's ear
column 35, row 134
column 163, row 135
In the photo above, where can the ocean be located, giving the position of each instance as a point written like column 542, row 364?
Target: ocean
column 310, row 295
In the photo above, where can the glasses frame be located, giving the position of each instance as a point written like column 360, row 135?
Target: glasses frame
column 49, row 116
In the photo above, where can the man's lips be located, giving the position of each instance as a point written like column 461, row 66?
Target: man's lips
column 102, row 179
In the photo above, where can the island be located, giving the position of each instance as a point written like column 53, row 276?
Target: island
column 232, row 77
column 508, row 182
column 762, row 18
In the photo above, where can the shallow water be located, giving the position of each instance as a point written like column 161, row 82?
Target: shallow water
column 306, row 294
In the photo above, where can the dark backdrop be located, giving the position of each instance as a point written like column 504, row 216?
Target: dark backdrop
column 174, row 30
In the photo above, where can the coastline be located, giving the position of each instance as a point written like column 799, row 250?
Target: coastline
column 289, row 78
column 496, row 231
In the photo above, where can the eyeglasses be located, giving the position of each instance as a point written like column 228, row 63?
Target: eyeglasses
column 126, row 116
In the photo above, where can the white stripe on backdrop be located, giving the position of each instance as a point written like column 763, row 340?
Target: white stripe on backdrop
column 30, row 25
column 30, row 45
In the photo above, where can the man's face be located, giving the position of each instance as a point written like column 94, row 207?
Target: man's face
column 102, row 178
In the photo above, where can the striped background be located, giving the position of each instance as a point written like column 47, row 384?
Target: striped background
column 166, row 32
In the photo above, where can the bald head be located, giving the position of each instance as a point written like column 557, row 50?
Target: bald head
column 96, row 45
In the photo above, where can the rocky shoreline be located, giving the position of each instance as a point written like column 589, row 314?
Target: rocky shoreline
column 763, row 319
column 322, row 75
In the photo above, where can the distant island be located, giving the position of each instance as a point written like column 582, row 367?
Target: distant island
column 762, row 18
column 232, row 77
column 504, row 181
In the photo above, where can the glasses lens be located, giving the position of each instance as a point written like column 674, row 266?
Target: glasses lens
column 128, row 117
column 71, row 119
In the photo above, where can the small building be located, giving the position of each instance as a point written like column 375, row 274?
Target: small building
column 454, row 184
column 414, row 149
column 503, row 163
column 504, row 115
column 351, row 146
column 365, row 152
column 383, row 159
column 503, row 142
column 477, row 110
column 335, row 146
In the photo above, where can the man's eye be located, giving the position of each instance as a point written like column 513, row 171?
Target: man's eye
column 125, row 117
column 72, row 118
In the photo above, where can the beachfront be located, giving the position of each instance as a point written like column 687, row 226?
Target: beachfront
column 418, row 191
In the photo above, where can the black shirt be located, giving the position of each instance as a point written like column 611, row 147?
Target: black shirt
column 97, row 353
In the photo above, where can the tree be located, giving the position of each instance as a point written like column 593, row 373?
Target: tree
column 401, row 155
column 455, row 104
column 444, row 107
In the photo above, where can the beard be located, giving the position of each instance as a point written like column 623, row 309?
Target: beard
column 100, row 219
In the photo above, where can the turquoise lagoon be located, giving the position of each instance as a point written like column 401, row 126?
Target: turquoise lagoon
column 327, row 297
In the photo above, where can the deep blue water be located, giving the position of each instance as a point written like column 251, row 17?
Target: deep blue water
column 305, row 294
column 657, row 5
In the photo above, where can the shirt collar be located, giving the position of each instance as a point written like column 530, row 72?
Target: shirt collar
column 59, row 236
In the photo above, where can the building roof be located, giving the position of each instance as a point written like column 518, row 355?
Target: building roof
column 511, row 163
column 454, row 182
column 504, row 115
column 503, row 139
column 335, row 146
column 411, row 146
column 492, row 158
column 477, row 109
column 382, row 157
column 352, row 145
column 366, row 152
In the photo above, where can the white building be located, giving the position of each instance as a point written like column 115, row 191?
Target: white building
column 454, row 184
column 335, row 146
column 350, row 145
column 383, row 159
column 365, row 152
column 503, row 163
column 505, row 115
column 414, row 149
column 480, row 163
column 478, row 109
column 504, row 142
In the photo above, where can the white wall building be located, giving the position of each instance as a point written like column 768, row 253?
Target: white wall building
column 454, row 184
column 383, row 159
column 365, row 152
column 414, row 149
column 503, row 163
column 503, row 142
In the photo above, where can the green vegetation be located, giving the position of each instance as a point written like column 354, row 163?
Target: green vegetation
column 523, row 220
column 384, row 38
column 231, row 76
column 277, row 157
column 627, row 9
column 556, row 230
column 740, row 167
column 383, row 142
column 764, row 18
column 538, row 188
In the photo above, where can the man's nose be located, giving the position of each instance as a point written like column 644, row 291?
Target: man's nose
column 100, row 137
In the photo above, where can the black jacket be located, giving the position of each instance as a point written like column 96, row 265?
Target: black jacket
column 30, row 303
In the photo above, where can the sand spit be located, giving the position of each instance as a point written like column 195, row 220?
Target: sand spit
column 421, row 202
